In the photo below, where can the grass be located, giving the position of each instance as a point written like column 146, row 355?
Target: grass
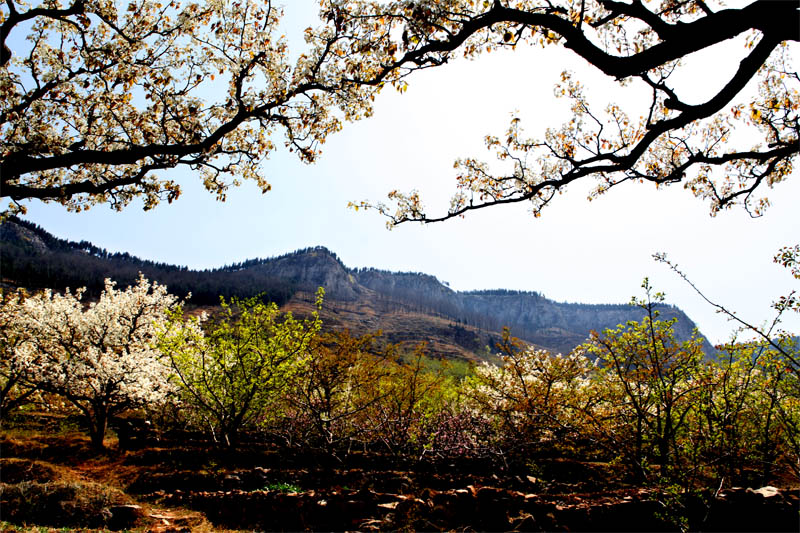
column 280, row 486
column 60, row 504
column 51, row 480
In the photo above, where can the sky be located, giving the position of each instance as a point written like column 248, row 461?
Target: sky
column 578, row 251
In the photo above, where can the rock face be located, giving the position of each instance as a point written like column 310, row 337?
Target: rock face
column 16, row 232
column 553, row 325
column 532, row 317
column 411, row 285
column 560, row 326
column 316, row 267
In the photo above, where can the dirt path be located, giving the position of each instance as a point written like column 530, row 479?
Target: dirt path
column 173, row 520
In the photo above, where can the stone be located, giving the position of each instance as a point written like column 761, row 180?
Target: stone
column 231, row 481
column 525, row 522
column 122, row 516
column 767, row 492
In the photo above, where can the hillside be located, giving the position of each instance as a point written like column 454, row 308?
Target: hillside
column 408, row 307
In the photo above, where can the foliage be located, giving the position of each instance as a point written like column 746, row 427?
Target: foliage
column 329, row 396
column 34, row 258
column 789, row 257
column 633, row 394
column 101, row 357
column 411, row 396
column 746, row 418
column 647, row 382
column 281, row 486
column 355, row 393
column 705, row 146
column 676, row 416
column 752, row 404
column 231, row 372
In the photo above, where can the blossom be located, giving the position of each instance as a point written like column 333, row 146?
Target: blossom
column 101, row 357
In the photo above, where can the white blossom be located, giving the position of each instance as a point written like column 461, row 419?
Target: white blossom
column 101, row 356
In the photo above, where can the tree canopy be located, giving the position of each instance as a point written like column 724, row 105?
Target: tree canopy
column 99, row 97
column 100, row 358
column 232, row 372
column 725, row 149
column 101, row 100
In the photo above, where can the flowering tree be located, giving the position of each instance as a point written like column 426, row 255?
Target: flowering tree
column 97, row 97
column 100, row 357
column 102, row 96
column 533, row 397
column 235, row 369
column 672, row 139
column 17, row 360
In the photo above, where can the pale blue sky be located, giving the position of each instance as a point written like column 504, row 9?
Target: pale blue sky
column 578, row 251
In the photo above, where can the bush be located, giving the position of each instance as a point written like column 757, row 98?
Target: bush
column 19, row 470
column 59, row 504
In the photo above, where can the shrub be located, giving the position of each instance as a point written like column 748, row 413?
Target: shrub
column 59, row 504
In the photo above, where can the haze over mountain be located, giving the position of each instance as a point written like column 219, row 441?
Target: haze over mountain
column 408, row 307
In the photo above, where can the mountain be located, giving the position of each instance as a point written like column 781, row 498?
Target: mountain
column 33, row 258
column 409, row 307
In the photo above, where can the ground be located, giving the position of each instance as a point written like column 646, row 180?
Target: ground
column 52, row 479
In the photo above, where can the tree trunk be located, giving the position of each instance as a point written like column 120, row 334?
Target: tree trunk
column 230, row 436
column 97, row 429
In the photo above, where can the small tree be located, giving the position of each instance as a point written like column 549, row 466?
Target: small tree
column 766, row 375
column 533, row 397
column 647, row 382
column 233, row 371
column 721, row 424
column 100, row 357
column 411, row 394
column 328, row 398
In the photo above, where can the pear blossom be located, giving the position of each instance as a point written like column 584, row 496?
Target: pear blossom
column 101, row 357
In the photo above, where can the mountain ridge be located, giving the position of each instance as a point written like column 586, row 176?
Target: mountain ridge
column 409, row 307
